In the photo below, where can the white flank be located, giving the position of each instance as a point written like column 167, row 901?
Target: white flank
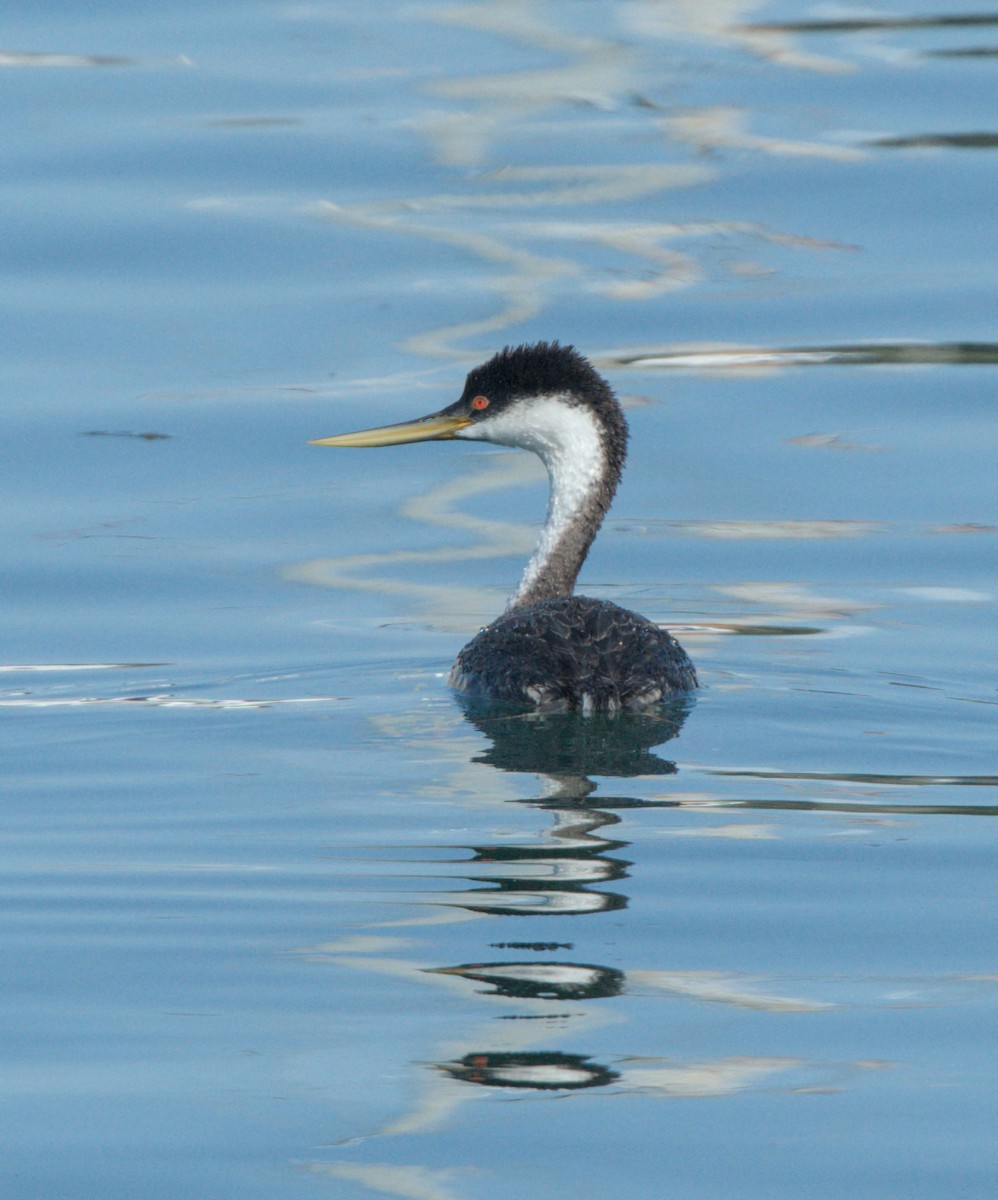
column 567, row 439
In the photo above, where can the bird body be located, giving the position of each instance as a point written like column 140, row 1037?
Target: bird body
column 552, row 650
column 573, row 653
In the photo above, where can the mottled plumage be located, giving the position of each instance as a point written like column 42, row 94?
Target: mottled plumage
column 573, row 652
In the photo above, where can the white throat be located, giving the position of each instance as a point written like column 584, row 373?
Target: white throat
column 568, row 439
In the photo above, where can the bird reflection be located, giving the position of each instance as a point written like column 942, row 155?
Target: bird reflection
column 536, row 992
column 566, row 873
column 565, row 981
column 562, row 746
column 551, row 1071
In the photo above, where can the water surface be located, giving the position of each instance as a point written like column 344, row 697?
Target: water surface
column 282, row 918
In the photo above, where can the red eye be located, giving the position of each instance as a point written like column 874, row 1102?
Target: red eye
column 480, row 402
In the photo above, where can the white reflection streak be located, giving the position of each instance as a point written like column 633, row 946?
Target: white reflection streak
column 411, row 1182
column 596, row 79
column 818, row 530
column 719, row 1077
column 160, row 700
column 720, row 127
column 714, row 987
column 722, row 21
column 793, row 599
column 599, row 74
column 519, row 290
column 449, row 605
column 603, row 75
column 602, row 72
column 516, row 20
column 18, row 667
column 523, row 289
column 13, row 59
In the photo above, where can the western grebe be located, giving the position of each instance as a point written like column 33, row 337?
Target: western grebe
column 551, row 650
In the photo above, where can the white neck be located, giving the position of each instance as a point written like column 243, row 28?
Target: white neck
column 568, row 439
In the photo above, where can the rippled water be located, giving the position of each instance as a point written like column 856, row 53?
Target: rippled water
column 282, row 918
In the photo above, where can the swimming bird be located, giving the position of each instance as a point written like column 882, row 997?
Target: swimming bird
column 552, row 650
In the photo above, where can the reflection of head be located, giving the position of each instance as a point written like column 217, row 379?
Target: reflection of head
column 570, row 744
column 563, row 981
column 540, row 1071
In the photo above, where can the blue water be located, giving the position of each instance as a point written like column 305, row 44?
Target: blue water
column 280, row 918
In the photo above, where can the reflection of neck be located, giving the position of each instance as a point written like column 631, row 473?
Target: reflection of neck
column 571, row 822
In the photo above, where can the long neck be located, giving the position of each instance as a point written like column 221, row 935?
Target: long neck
column 584, row 459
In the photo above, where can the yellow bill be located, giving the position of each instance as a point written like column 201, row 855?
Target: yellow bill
column 426, row 429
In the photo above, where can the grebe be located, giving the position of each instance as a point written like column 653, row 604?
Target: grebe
column 551, row 650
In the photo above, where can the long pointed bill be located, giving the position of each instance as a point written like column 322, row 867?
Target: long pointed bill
column 426, row 429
